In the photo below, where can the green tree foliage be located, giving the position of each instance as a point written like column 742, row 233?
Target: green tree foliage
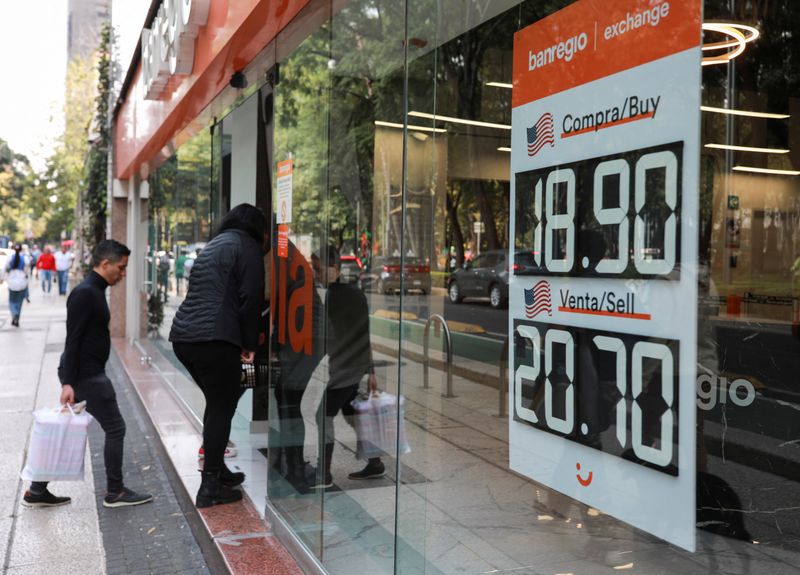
column 16, row 179
column 95, row 195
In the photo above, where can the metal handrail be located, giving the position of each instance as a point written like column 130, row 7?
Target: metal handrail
column 449, row 352
column 503, row 380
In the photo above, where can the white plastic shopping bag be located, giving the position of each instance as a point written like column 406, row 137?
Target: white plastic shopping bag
column 378, row 423
column 57, row 446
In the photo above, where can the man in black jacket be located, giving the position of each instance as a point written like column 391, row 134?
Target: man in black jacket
column 83, row 376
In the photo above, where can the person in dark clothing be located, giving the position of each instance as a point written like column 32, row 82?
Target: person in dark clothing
column 216, row 329
column 349, row 353
column 83, row 377
column 297, row 318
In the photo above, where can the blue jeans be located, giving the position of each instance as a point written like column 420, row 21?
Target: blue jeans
column 47, row 280
column 15, row 299
column 63, row 276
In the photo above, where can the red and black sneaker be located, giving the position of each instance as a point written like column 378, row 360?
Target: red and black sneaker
column 45, row 499
column 229, row 452
column 126, row 498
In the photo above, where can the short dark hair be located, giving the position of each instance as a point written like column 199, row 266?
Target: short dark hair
column 110, row 250
column 247, row 218
column 331, row 254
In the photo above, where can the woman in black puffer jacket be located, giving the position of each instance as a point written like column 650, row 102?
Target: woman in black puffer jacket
column 216, row 329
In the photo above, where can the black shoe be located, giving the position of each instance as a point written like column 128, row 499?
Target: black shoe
column 230, row 478
column 213, row 492
column 45, row 499
column 315, row 483
column 126, row 498
column 373, row 470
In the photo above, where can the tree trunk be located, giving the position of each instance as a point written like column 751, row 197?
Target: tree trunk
column 487, row 215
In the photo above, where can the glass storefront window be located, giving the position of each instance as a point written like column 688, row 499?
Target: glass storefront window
column 383, row 149
column 397, row 120
column 179, row 227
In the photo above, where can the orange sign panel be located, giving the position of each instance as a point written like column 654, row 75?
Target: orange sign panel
column 593, row 39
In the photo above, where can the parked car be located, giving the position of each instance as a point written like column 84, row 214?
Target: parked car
column 385, row 275
column 487, row 276
column 350, row 269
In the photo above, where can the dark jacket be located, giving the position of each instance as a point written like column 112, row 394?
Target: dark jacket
column 347, row 345
column 88, row 341
column 226, row 293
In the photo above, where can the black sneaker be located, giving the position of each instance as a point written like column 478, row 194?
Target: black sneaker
column 325, row 483
column 126, row 498
column 371, row 471
column 45, row 499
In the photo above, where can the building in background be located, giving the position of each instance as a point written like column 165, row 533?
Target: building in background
column 84, row 20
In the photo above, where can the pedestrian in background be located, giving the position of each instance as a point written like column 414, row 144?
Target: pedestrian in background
column 17, row 280
column 82, row 372
column 216, row 329
column 46, row 265
column 63, row 264
column 35, row 254
column 179, row 271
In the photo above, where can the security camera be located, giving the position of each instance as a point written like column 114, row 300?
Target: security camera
column 238, row 81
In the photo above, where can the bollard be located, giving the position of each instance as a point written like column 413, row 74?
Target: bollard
column 439, row 321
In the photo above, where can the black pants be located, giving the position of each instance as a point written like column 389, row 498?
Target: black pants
column 101, row 402
column 333, row 401
column 216, row 367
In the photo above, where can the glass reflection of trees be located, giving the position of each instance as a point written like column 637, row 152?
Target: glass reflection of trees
column 179, row 216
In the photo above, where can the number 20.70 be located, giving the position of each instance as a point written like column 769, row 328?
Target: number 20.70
column 662, row 455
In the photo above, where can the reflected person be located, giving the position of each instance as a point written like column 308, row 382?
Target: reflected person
column 296, row 345
column 349, row 358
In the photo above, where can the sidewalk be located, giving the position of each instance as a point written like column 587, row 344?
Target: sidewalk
column 82, row 537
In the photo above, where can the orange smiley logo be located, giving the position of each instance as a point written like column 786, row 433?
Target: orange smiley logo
column 585, row 482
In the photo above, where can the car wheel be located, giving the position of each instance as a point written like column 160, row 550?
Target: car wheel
column 496, row 297
column 454, row 293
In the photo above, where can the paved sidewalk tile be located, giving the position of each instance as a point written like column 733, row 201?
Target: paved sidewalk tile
column 36, row 541
column 81, row 538
column 154, row 538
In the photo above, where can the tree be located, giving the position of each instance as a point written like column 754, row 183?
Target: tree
column 16, row 178
column 63, row 175
column 95, row 196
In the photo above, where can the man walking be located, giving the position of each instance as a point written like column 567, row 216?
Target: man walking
column 63, row 263
column 83, row 377
column 46, row 264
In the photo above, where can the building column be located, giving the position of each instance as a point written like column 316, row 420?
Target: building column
column 119, row 231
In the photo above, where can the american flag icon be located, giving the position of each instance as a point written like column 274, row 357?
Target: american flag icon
column 540, row 134
column 537, row 300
